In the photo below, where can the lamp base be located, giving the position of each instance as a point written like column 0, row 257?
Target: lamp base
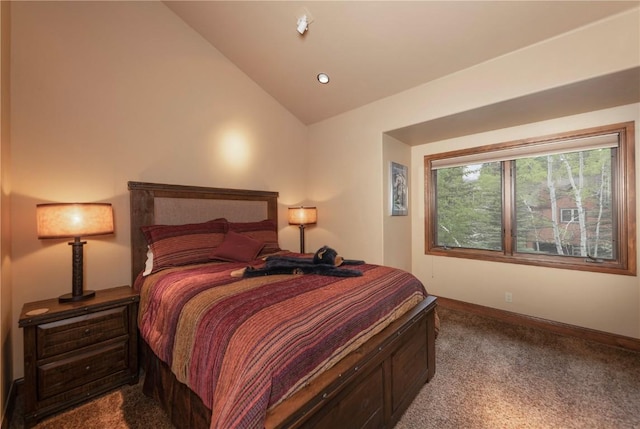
column 69, row 297
column 301, row 238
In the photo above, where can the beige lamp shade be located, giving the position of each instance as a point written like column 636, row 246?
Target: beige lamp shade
column 59, row 220
column 303, row 215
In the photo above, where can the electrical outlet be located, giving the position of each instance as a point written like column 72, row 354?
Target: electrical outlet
column 508, row 297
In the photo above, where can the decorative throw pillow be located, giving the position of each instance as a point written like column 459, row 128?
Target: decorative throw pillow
column 265, row 231
column 237, row 248
column 175, row 245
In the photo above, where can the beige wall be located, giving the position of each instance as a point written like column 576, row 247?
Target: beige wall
column 599, row 301
column 106, row 92
column 349, row 149
column 396, row 229
column 6, row 366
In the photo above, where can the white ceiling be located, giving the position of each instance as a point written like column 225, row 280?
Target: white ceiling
column 373, row 49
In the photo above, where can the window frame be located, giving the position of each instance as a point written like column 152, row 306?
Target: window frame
column 623, row 189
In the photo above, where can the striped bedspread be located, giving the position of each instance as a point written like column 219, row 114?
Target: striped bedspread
column 244, row 345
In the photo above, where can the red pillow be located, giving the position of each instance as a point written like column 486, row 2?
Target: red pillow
column 174, row 245
column 265, row 231
column 237, row 248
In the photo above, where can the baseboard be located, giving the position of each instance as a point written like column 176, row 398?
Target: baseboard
column 10, row 406
column 628, row 343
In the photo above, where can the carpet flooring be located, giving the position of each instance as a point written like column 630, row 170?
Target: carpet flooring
column 494, row 375
column 488, row 375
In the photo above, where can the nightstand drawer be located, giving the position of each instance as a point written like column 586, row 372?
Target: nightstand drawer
column 77, row 332
column 65, row 374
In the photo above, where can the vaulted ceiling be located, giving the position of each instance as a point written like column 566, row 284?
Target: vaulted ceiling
column 374, row 49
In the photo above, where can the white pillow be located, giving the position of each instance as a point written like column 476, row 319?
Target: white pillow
column 148, row 266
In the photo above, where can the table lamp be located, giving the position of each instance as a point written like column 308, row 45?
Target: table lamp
column 302, row 216
column 64, row 220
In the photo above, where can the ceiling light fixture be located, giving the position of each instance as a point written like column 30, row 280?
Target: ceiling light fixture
column 303, row 24
column 304, row 19
column 323, row 78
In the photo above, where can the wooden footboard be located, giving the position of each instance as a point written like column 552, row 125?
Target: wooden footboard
column 371, row 387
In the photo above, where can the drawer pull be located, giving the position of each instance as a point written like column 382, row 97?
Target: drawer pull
column 87, row 331
column 88, row 368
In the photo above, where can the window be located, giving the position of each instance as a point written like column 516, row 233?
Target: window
column 569, row 215
column 564, row 201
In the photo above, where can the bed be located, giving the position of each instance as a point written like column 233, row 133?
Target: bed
column 362, row 372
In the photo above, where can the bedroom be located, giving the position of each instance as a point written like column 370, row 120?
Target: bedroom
column 98, row 98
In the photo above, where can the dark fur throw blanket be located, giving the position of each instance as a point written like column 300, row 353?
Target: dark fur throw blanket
column 325, row 261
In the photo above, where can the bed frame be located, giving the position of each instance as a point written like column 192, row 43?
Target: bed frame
column 371, row 387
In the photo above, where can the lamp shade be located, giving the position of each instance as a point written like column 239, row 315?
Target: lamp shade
column 303, row 215
column 59, row 220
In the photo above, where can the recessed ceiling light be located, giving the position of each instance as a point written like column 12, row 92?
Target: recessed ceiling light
column 323, row 78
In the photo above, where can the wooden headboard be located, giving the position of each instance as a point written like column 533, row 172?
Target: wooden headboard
column 161, row 204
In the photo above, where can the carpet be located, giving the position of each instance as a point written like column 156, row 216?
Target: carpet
column 488, row 375
column 494, row 375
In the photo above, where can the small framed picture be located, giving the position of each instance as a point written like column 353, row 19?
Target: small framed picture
column 399, row 189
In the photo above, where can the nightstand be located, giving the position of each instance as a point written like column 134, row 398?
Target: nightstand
column 75, row 351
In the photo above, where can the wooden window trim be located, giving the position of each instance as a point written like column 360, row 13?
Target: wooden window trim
column 624, row 191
